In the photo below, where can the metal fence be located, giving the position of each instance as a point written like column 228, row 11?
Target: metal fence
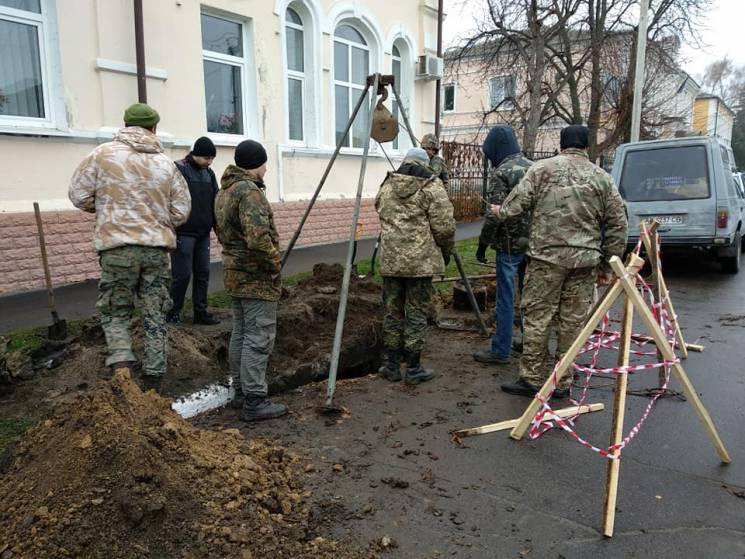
column 468, row 177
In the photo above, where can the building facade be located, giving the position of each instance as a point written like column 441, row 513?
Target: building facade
column 713, row 117
column 284, row 72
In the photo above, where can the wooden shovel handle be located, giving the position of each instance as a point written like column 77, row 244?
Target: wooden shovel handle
column 45, row 262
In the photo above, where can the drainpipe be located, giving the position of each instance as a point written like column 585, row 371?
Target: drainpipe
column 438, row 83
column 140, row 53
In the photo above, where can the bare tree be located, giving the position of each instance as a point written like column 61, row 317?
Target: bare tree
column 726, row 80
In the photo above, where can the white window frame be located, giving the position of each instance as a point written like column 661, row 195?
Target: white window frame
column 503, row 106
column 45, row 24
column 295, row 75
column 396, row 143
column 248, row 79
column 352, row 87
column 455, row 98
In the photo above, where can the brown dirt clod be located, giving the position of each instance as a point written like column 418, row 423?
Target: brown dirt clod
column 119, row 474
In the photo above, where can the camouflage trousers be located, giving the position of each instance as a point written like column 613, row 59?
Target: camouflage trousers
column 129, row 273
column 550, row 292
column 406, row 302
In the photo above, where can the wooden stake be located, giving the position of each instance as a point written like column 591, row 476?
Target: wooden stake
column 669, row 354
column 602, row 307
column 619, row 410
column 509, row 423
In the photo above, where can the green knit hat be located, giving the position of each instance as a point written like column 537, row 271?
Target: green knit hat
column 141, row 114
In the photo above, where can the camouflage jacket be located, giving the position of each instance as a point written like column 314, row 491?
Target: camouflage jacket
column 508, row 235
column 250, row 244
column 137, row 193
column 440, row 169
column 579, row 218
column 417, row 226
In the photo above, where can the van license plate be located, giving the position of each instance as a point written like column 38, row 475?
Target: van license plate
column 669, row 219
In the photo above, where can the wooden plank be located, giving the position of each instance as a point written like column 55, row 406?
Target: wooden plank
column 509, row 423
column 603, row 305
column 691, row 347
column 619, row 410
column 669, row 354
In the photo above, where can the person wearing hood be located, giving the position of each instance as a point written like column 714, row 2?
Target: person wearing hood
column 139, row 198
column 509, row 238
column 192, row 252
column 579, row 224
column 252, row 267
column 416, row 240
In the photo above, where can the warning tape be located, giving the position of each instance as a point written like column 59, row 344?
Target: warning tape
column 546, row 418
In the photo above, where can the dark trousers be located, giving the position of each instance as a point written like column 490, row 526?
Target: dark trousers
column 192, row 256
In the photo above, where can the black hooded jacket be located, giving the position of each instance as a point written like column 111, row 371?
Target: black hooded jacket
column 500, row 143
column 203, row 189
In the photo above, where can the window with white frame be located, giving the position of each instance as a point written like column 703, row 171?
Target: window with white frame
column 396, row 70
column 224, row 58
column 448, row 97
column 351, row 68
column 295, row 43
column 24, row 87
column 502, row 92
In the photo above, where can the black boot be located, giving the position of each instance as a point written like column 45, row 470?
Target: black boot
column 258, row 408
column 151, row 382
column 206, row 318
column 391, row 368
column 415, row 373
column 237, row 402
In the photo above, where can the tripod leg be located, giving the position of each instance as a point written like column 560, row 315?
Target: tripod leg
column 334, row 366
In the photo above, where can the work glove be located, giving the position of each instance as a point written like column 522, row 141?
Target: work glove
column 481, row 253
column 446, row 257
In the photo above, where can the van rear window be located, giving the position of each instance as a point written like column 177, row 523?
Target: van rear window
column 677, row 173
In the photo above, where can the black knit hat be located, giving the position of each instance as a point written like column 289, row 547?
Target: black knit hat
column 204, row 147
column 250, row 155
column 575, row 136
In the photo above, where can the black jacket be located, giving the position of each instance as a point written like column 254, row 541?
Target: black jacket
column 203, row 189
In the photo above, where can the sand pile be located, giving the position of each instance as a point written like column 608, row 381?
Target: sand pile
column 118, row 474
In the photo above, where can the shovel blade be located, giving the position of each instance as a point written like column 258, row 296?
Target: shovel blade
column 57, row 330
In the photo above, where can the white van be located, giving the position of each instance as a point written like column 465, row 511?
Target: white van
column 686, row 184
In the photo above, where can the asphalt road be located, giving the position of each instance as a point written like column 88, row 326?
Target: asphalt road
column 28, row 309
column 496, row 497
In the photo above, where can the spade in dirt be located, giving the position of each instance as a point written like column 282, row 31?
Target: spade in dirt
column 58, row 329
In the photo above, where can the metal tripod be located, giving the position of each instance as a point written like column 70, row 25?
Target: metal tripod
column 376, row 82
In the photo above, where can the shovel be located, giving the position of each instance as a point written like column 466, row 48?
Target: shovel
column 58, row 329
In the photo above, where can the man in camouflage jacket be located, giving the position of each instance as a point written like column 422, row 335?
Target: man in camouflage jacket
column 508, row 237
column 417, row 232
column 139, row 198
column 252, row 276
column 579, row 223
column 437, row 164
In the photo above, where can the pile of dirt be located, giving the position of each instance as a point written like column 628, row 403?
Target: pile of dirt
column 306, row 322
column 119, row 474
column 198, row 355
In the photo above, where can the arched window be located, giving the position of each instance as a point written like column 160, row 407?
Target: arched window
column 402, row 70
column 295, row 43
column 351, row 68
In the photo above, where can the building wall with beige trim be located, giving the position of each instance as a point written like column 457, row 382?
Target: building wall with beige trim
column 89, row 61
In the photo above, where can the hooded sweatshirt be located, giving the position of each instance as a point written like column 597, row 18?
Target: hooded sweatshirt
column 500, row 143
column 250, row 244
column 137, row 193
column 417, row 225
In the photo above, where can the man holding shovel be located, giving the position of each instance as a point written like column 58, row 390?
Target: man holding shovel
column 139, row 198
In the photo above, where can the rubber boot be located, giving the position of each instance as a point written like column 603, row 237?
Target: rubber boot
column 256, row 409
column 391, row 368
column 237, row 402
column 415, row 373
column 151, row 382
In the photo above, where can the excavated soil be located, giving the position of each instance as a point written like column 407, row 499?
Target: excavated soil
column 59, row 372
column 120, row 475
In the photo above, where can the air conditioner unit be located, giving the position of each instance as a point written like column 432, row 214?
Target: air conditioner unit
column 429, row 67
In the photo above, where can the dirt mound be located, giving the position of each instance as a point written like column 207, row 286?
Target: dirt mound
column 119, row 474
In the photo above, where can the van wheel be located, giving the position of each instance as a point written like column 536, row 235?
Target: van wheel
column 731, row 264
